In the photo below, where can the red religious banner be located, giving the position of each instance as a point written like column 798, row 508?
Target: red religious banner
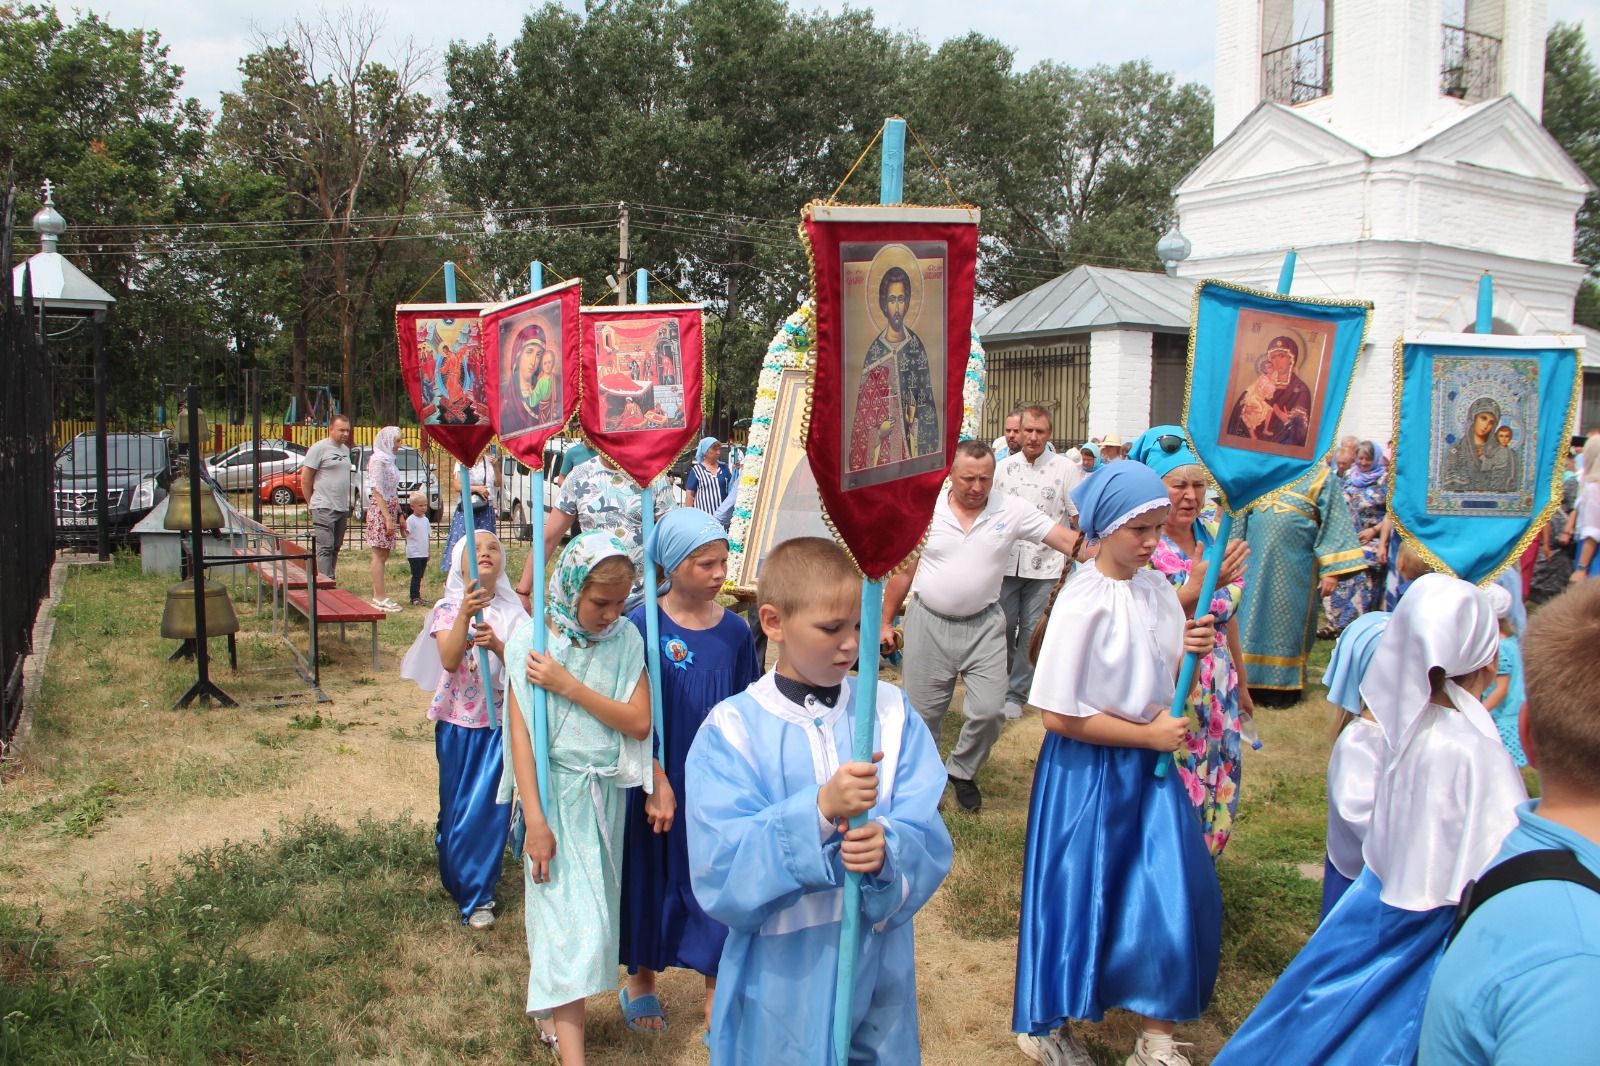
column 531, row 347
column 642, row 371
column 443, row 362
column 893, row 292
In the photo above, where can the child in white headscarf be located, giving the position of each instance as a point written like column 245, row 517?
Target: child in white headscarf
column 1445, row 802
column 443, row 660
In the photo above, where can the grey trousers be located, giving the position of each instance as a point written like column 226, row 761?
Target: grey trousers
column 937, row 652
column 327, row 528
column 1022, row 599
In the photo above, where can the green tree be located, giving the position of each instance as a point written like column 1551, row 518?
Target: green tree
column 1572, row 115
column 96, row 110
column 352, row 143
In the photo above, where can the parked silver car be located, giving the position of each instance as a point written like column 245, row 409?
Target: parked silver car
column 415, row 474
column 234, row 470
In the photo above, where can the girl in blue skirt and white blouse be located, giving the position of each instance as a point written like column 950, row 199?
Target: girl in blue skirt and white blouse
column 1120, row 903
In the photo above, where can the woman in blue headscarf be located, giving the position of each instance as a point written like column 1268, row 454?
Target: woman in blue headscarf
column 1120, row 903
column 706, row 484
column 707, row 654
column 1210, row 767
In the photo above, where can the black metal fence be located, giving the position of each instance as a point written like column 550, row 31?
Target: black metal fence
column 27, row 548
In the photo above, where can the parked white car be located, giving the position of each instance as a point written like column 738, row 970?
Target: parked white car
column 234, row 470
column 515, row 490
column 416, row 474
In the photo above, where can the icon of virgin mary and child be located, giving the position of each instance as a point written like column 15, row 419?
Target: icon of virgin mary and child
column 1482, row 459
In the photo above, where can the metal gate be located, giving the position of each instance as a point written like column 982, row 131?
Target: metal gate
column 1054, row 375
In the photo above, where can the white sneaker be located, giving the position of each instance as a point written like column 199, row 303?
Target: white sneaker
column 1060, row 1048
column 1012, row 710
column 482, row 918
column 387, row 606
column 1145, row 1055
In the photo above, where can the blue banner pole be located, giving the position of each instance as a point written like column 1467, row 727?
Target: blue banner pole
column 891, row 190
column 1214, row 556
column 652, row 609
column 1485, row 320
column 470, row 531
column 541, row 698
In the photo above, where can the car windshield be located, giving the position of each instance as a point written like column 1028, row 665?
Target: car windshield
column 143, row 455
column 409, row 460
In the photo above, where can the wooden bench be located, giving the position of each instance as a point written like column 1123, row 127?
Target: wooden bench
column 284, row 575
column 337, row 605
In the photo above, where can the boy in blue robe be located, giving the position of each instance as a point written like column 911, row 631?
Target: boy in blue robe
column 770, row 788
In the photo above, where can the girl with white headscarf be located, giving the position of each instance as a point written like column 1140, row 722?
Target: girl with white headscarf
column 443, row 660
column 383, row 509
column 1445, row 801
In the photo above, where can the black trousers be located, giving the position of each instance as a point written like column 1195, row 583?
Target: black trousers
column 418, row 568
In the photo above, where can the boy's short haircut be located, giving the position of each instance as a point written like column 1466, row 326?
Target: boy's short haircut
column 1561, row 674
column 801, row 572
column 416, row 498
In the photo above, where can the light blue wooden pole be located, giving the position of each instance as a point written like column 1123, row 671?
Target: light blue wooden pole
column 1219, row 548
column 652, row 609
column 470, row 531
column 541, row 698
column 1485, row 321
column 891, row 190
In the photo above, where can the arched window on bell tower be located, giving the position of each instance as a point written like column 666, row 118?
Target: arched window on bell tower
column 1296, row 50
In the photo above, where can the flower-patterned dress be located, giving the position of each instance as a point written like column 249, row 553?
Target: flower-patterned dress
column 1209, row 764
column 383, row 478
column 1360, row 592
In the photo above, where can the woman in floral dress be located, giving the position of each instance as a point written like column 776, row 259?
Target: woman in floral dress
column 1366, row 492
column 1209, row 764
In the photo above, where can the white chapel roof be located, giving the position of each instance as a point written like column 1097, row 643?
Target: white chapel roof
column 59, row 284
column 1087, row 299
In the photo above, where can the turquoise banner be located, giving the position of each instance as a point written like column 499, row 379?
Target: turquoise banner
column 1268, row 380
column 1482, row 423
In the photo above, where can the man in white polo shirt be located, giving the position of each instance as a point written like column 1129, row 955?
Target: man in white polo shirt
column 1043, row 479
column 954, row 626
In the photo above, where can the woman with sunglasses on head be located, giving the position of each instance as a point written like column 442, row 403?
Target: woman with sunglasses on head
column 1209, row 762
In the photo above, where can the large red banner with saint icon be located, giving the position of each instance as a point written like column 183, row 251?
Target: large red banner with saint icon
column 893, row 290
column 446, row 372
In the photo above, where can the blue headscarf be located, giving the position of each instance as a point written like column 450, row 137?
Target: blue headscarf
column 704, row 446
column 677, row 534
column 1350, row 658
column 1120, row 492
column 1147, row 450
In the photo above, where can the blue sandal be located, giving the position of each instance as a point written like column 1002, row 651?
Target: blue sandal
column 646, row 1006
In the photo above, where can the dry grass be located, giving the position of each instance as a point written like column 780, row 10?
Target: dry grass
column 115, row 787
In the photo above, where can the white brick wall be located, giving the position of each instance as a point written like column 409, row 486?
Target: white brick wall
column 1119, row 383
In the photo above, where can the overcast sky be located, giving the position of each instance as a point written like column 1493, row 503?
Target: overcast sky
column 207, row 37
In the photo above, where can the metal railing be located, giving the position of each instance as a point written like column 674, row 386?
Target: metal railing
column 1054, row 376
column 1298, row 72
column 1471, row 66
column 27, row 549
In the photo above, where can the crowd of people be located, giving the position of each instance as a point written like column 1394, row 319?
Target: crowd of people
column 1066, row 582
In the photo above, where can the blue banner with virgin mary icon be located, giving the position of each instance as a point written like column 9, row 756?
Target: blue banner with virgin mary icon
column 1268, row 379
column 1481, row 424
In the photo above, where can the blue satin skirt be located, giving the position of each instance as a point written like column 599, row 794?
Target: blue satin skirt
column 1334, row 886
column 471, row 835
column 1354, row 995
column 1120, row 902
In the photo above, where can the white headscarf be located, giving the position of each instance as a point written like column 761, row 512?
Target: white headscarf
column 1448, row 793
column 504, row 615
column 384, row 445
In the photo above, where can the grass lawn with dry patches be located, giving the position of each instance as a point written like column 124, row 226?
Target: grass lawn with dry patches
column 260, row 885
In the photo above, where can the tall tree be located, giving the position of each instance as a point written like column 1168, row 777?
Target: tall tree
column 1572, row 115
column 352, row 140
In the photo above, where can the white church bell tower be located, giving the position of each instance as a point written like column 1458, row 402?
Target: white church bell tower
column 1396, row 145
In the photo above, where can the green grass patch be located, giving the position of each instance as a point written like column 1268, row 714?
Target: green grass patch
column 175, row 973
column 75, row 815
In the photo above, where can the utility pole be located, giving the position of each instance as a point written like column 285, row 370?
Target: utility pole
column 622, row 253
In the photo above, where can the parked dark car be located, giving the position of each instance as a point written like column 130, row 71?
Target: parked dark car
column 139, row 468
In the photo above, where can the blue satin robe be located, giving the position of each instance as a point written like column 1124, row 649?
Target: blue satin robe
column 762, row 864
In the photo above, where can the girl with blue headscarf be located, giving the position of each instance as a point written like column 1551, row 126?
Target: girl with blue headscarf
column 1357, row 758
column 707, row 654
column 1210, row 766
column 1120, row 902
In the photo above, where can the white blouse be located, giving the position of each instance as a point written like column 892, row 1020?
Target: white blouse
column 1112, row 647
